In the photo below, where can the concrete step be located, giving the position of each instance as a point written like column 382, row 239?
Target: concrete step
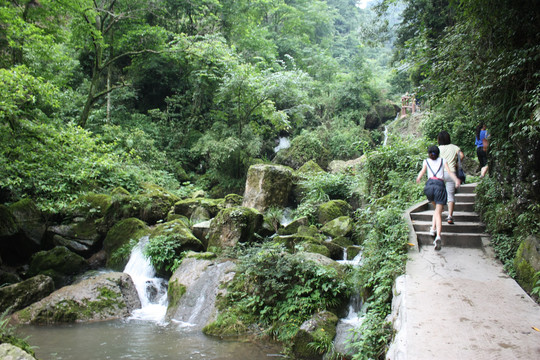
column 467, row 188
column 465, row 198
column 460, row 228
column 459, row 216
column 459, row 206
column 463, row 240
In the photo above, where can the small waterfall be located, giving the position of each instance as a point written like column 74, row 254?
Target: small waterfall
column 284, row 143
column 355, row 312
column 152, row 290
column 385, row 135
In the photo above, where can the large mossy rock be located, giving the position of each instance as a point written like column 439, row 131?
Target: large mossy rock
column 179, row 234
column 81, row 237
column 267, row 186
column 320, row 329
column 90, row 205
column 527, row 262
column 188, row 207
column 59, row 263
column 310, row 167
column 339, row 227
column 22, row 294
column 151, row 205
column 194, row 288
column 120, row 235
column 105, row 297
column 332, row 209
column 348, row 166
column 234, row 225
column 379, row 114
column 12, row 352
column 22, row 230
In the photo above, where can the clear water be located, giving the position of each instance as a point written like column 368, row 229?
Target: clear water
column 136, row 339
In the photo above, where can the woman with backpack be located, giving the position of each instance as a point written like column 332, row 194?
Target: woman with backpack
column 453, row 155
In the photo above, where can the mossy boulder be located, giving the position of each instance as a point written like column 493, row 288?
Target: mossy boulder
column 81, row 236
column 120, row 235
column 341, row 226
column 151, row 205
column 352, row 251
column 233, row 200
column 346, row 166
column 59, row 263
column 201, row 231
column 187, row 207
column 20, row 295
column 267, row 186
column 304, row 147
column 234, row 225
column 310, row 167
column 527, row 262
column 293, row 226
column 90, row 205
column 319, row 330
column 177, row 232
column 104, row 297
column 8, row 223
column 332, row 209
column 294, row 240
column 12, row 352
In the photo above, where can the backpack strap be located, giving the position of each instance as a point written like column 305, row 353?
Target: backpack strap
column 435, row 173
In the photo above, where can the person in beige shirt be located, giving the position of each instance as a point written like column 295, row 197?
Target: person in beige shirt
column 450, row 153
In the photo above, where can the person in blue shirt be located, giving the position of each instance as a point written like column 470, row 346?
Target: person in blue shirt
column 482, row 141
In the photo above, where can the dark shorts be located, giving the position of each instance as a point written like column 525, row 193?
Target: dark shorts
column 435, row 191
column 482, row 156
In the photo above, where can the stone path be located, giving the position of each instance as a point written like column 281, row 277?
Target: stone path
column 458, row 303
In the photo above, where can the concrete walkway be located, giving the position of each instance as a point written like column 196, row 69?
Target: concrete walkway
column 459, row 304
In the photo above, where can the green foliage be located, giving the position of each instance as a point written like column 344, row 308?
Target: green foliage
column 387, row 166
column 506, row 248
column 8, row 334
column 280, row 290
column 385, row 245
column 122, row 254
column 163, row 252
column 536, row 289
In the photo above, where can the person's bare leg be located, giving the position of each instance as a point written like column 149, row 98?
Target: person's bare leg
column 437, row 218
column 450, row 209
column 483, row 171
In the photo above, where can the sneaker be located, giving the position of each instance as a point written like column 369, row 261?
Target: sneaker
column 437, row 243
column 450, row 220
column 432, row 232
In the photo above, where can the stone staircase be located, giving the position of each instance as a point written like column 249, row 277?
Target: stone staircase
column 467, row 230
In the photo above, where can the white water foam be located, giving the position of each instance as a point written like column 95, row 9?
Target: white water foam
column 284, row 143
column 151, row 289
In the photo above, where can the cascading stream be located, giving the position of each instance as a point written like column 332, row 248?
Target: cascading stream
column 151, row 289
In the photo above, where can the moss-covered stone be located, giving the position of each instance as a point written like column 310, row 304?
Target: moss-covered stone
column 25, row 293
column 227, row 325
column 174, row 293
column 316, row 248
column 90, row 205
column 187, row 207
column 233, row 200
column 267, row 186
column 119, row 192
column 120, row 235
column 341, row 226
column 342, row 241
column 292, row 227
column 59, row 263
column 234, row 225
column 32, row 227
column 352, row 251
column 178, row 232
column 310, row 167
column 315, row 336
column 104, row 297
column 332, row 210
column 527, row 262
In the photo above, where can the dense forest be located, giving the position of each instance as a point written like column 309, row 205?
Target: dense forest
column 187, row 95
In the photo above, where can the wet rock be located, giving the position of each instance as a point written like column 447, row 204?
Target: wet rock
column 25, row 293
column 104, row 297
column 193, row 290
column 119, row 235
column 293, row 226
column 234, row 225
column 233, row 200
column 320, row 330
column 201, row 231
column 267, row 186
column 81, row 237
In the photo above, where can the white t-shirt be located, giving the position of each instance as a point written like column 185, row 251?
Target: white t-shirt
column 435, row 168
